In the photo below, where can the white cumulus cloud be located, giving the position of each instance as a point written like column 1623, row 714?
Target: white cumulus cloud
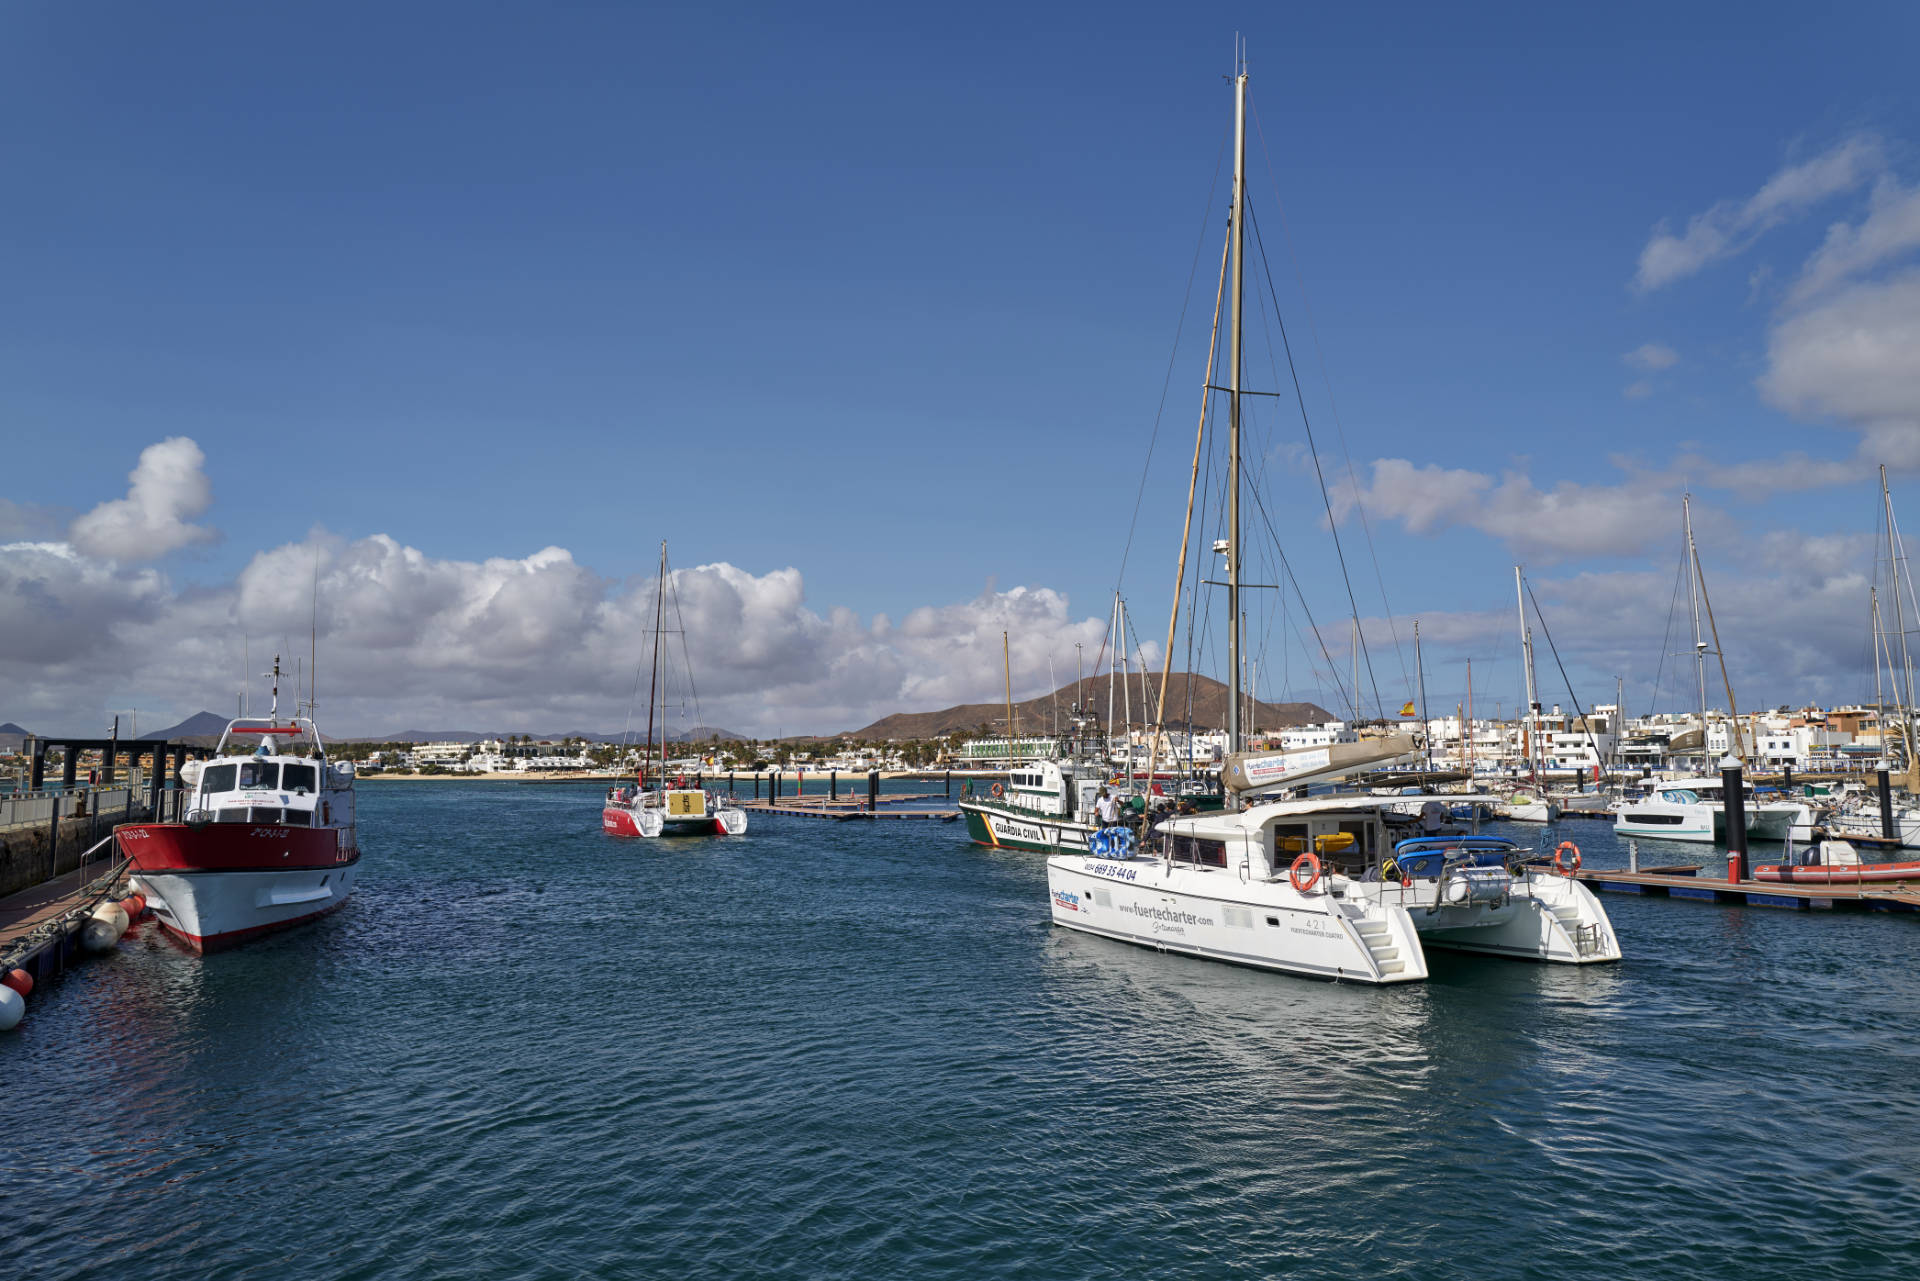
column 168, row 490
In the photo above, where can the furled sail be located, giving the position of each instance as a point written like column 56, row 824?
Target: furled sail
column 1254, row 771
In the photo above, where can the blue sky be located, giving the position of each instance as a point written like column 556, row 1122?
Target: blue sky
column 889, row 298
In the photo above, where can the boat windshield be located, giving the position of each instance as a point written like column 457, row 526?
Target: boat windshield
column 217, row 778
column 264, row 775
column 297, row 778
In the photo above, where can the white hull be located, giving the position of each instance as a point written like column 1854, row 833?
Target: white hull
column 1530, row 809
column 1705, row 822
column 211, row 910
column 1367, row 933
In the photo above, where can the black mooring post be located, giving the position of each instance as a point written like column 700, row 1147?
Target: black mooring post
column 1734, row 799
column 873, row 790
column 833, row 784
column 1786, row 781
column 37, row 772
column 1886, row 804
column 949, row 784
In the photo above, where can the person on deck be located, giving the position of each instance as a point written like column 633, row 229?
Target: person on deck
column 1106, row 809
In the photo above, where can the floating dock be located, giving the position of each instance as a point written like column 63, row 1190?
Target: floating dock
column 1686, row 882
column 846, row 810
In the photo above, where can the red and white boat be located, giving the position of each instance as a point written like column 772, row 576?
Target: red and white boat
column 679, row 809
column 672, row 811
column 1835, row 863
column 268, row 841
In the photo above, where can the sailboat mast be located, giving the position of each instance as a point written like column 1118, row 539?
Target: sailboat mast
column 1235, row 737
column 653, row 681
column 1529, row 718
column 1426, row 725
column 1900, row 625
column 1006, row 665
column 1699, row 646
column 1126, row 695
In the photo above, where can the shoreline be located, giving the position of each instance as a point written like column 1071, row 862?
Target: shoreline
column 740, row 776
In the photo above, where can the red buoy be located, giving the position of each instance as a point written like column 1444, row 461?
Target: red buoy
column 19, row 980
column 134, row 904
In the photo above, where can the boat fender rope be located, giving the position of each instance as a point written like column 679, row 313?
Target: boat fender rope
column 1566, row 868
column 1307, row 860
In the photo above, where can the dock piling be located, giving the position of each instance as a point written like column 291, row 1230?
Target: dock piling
column 1734, row 799
column 1886, row 801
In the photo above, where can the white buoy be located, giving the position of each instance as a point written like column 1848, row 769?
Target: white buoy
column 12, row 1008
column 113, row 914
column 98, row 935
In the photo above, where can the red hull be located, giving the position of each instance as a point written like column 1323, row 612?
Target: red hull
column 230, row 847
column 615, row 821
column 1837, row 873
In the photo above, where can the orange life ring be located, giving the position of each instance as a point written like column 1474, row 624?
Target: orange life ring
column 999, row 790
column 1565, row 868
column 1307, row 859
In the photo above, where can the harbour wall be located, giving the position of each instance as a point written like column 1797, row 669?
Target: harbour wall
column 31, row 852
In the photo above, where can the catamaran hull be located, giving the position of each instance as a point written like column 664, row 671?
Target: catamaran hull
column 1141, row 902
column 1706, row 823
column 620, row 821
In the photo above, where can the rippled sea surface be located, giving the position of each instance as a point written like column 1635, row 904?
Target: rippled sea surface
column 860, row 1050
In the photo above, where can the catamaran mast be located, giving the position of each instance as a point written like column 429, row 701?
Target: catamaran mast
column 1235, row 738
column 653, row 681
column 1699, row 646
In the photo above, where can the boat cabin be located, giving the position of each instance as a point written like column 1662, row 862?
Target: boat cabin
column 272, row 786
column 1352, row 836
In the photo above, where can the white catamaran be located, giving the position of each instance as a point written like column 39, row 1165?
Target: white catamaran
column 1321, row 885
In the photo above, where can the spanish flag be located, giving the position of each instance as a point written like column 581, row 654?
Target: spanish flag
column 1407, row 710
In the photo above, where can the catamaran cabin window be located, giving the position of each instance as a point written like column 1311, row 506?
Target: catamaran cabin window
column 297, row 778
column 297, row 818
column 217, row 778
column 1196, row 849
column 265, row 814
column 236, row 814
column 264, row 775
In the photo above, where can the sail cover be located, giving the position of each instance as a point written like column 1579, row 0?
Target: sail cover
column 1252, row 771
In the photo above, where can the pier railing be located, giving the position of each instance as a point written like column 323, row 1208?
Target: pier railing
column 108, row 804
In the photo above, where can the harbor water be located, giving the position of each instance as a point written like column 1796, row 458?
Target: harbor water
column 859, row 1050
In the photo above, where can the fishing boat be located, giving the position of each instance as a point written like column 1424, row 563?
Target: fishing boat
column 1332, row 886
column 679, row 808
column 268, row 840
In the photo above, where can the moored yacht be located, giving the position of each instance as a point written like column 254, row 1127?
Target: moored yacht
column 1320, row 887
column 269, row 839
column 1694, row 809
